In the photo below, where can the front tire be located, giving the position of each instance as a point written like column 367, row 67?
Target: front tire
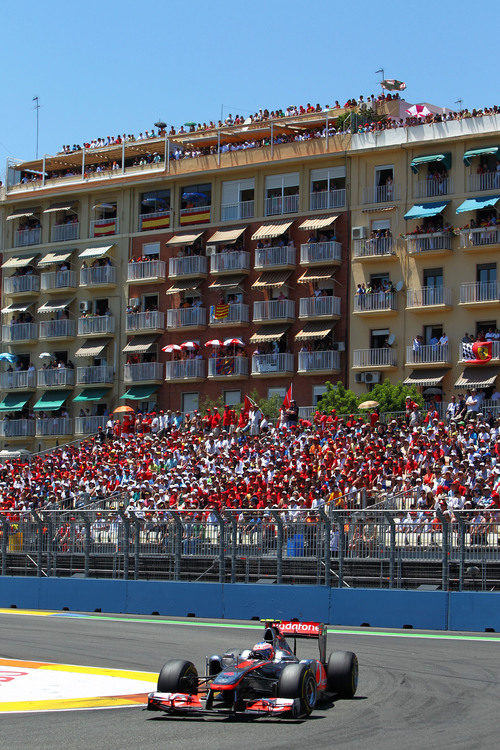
column 298, row 681
column 342, row 673
column 178, row 676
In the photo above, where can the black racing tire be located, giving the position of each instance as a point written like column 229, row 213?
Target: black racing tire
column 178, row 676
column 342, row 673
column 298, row 681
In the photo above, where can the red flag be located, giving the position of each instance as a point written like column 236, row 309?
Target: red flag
column 248, row 404
column 287, row 401
column 478, row 353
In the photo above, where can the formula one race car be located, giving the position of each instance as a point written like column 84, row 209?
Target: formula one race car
column 267, row 680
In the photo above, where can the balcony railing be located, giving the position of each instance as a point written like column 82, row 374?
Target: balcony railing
column 188, row 369
column 98, row 276
column 18, row 332
column 319, row 361
column 55, row 377
column 274, row 309
column 186, row 317
column 375, row 302
column 146, row 270
column 155, row 220
column 495, row 354
column 192, row 265
column 104, row 227
column 10, row 428
column 235, row 211
column 423, row 243
column 428, row 296
column 98, row 324
column 238, row 313
column 373, row 247
column 89, row 425
column 54, row 426
column 316, row 307
column 25, row 237
column 480, row 291
column 485, row 181
column 145, row 321
column 484, row 236
column 143, row 371
column 272, row 257
column 58, row 280
column 222, row 367
column 432, row 188
column 56, row 329
column 21, row 284
column 374, row 358
column 428, row 354
column 269, row 364
column 230, row 262
column 65, row 232
column 321, row 252
column 94, row 375
column 327, row 199
column 18, row 380
column 281, row 204
column 381, row 194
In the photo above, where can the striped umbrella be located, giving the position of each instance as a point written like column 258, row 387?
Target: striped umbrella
column 214, row 342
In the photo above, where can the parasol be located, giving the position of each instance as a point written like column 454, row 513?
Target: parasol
column 190, row 346
column 233, row 342
column 123, row 410
column 368, row 405
column 169, row 348
column 418, row 110
column 214, row 342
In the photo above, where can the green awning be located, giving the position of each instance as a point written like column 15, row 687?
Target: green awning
column 139, row 392
column 480, row 151
column 14, row 401
column 425, row 210
column 444, row 159
column 51, row 401
column 475, row 204
column 92, row 394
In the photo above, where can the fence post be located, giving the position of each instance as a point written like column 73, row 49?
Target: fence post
column 392, row 548
column 234, row 542
column 5, row 539
column 279, row 546
column 126, row 542
column 339, row 520
column 86, row 546
column 177, row 544
column 445, row 565
column 327, row 527
column 39, row 550
column 222, row 551
column 50, row 541
column 137, row 542
column 461, row 559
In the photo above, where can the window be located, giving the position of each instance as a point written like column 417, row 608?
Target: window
column 382, row 175
column 432, row 333
column 105, row 210
column 281, row 392
column 380, row 225
column 377, row 279
column 327, row 188
column 378, row 337
column 154, row 202
column 196, row 196
column 232, row 398
column 189, row 402
column 433, row 277
column 318, row 391
column 150, row 302
column 282, row 193
column 486, row 272
column 61, row 356
column 485, row 325
column 237, row 199
column 152, row 250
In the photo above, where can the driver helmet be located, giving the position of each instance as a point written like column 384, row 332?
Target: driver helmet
column 263, row 651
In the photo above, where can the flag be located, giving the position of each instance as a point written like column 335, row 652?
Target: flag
column 287, row 401
column 101, row 230
column 202, row 216
column 156, row 222
column 248, row 404
column 478, row 353
column 221, row 311
column 393, row 85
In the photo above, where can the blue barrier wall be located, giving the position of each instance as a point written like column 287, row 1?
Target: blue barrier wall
column 432, row 610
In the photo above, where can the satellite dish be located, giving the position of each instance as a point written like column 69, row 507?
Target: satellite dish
column 391, row 339
column 399, row 286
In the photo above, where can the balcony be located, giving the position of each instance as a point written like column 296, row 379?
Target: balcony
column 24, row 237
column 89, row 425
column 55, row 378
column 316, row 308
column 380, row 358
column 313, row 363
column 481, row 293
column 57, row 329
column 375, row 247
column 21, row 285
column 428, row 297
column 275, row 257
column 227, row 368
column 187, row 318
column 236, row 211
column 152, row 320
column 232, row 262
column 96, row 325
column 65, row 232
column 189, row 370
column 17, row 428
column 154, row 221
column 480, row 239
column 432, row 188
column 104, row 227
column 19, row 380
column 192, row 266
column 430, row 354
column 195, row 215
column 434, row 243
column 273, row 311
column 58, row 281
column 495, row 354
column 376, row 302
column 146, row 271
column 143, row 372
column 486, row 181
column 100, row 276
column 268, row 365
column 281, row 204
column 237, row 316
column 381, row 194
column 327, row 199
column 19, row 333
column 94, row 375
column 319, row 253
column 54, row 427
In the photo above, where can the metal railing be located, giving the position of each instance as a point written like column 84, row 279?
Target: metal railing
column 432, row 187
column 144, row 321
column 326, row 361
column 274, row 309
column 375, row 302
column 54, row 329
column 237, row 313
column 373, row 247
column 485, row 181
column 21, row 284
column 18, row 380
column 235, row 211
column 146, row 269
column 98, row 276
column 186, row 317
column 281, row 204
column 319, row 307
column 65, row 232
column 321, row 252
column 54, row 426
column 267, row 364
column 327, row 199
column 428, row 354
column 94, row 375
column 374, row 358
column 272, row 257
column 10, row 428
column 230, row 261
column 97, row 324
column 25, row 237
column 143, row 371
column 428, row 296
column 222, row 367
column 55, row 377
column 191, row 265
column 185, row 369
column 58, row 280
column 381, row 193
column 18, row 332
column 423, row 243
column 480, row 291
column 104, row 227
column 89, row 425
column 480, row 237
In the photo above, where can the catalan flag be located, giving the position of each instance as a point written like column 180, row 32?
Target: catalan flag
column 155, row 222
column 221, row 311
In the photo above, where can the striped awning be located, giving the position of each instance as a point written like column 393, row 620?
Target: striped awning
column 55, row 305
column 92, row 348
column 19, row 261
column 272, row 279
column 425, row 377
column 22, row 213
column 318, row 222
column 226, row 235
column 227, row 282
column 314, row 331
column 269, row 333
column 183, row 286
column 140, row 344
column 317, row 274
column 267, row 231
column 55, row 256
column 477, row 377
column 184, row 239
column 17, row 307
column 95, row 252
column 58, row 207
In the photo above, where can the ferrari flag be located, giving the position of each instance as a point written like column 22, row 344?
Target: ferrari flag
column 478, row 353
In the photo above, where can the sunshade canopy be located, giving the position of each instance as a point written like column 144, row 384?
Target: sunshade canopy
column 58, row 207
column 54, row 306
column 22, row 213
column 92, row 348
column 51, row 401
column 228, row 236
column 272, row 279
column 14, row 401
column 492, row 150
column 139, row 392
column 314, row 331
column 317, row 222
column 184, row 239
column 424, row 377
column 425, row 210
column 475, row 204
column 268, row 333
column 91, row 394
column 227, row 282
column 183, row 286
column 141, row 344
column 17, row 307
column 55, row 256
column 95, row 252
column 19, row 261
column 267, row 231
column 317, row 274
column 444, row 159
column 477, row 377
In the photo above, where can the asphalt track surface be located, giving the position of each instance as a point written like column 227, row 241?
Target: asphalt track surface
column 415, row 690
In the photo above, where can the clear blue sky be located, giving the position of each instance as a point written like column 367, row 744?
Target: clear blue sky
column 105, row 67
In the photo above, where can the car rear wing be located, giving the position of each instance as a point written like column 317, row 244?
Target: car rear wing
column 298, row 629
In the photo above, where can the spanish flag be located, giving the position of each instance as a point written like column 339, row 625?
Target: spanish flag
column 101, row 230
column 221, row 311
column 156, row 222
column 196, row 217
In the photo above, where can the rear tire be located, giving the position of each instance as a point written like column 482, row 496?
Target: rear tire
column 178, row 676
column 342, row 673
column 298, row 681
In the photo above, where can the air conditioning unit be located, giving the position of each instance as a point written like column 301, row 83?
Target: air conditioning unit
column 372, row 377
column 338, row 346
column 359, row 377
column 134, row 301
column 211, row 249
column 358, row 233
column 85, row 306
